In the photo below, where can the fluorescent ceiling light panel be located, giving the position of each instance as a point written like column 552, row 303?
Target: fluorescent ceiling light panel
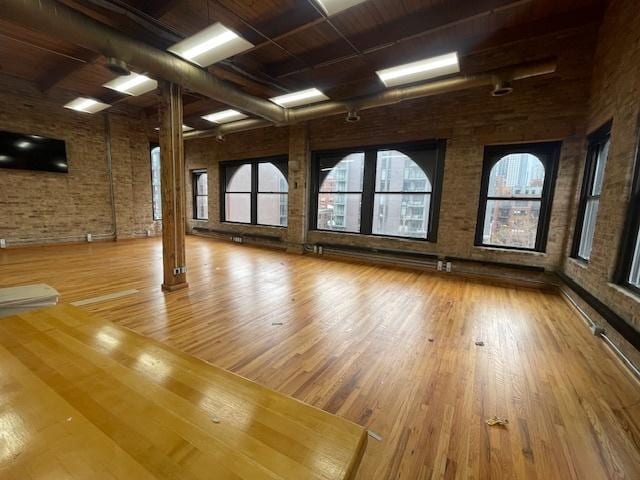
column 185, row 128
column 133, row 84
column 208, row 46
column 225, row 116
column 331, row 7
column 420, row 70
column 303, row 97
column 86, row 105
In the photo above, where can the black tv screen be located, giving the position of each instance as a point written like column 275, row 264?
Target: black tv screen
column 32, row 152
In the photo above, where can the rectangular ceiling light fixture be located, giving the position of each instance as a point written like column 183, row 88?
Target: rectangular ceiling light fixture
column 185, row 128
column 225, row 116
column 133, row 84
column 420, row 70
column 208, row 46
column 331, row 7
column 303, row 97
column 86, row 105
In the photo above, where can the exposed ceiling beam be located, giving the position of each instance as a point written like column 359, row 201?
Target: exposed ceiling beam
column 62, row 22
column 52, row 78
column 418, row 23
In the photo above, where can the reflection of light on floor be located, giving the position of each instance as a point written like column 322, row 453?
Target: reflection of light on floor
column 13, row 436
column 154, row 367
column 106, row 339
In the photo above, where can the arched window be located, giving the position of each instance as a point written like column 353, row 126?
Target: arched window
column 402, row 196
column 378, row 191
column 256, row 191
column 516, row 191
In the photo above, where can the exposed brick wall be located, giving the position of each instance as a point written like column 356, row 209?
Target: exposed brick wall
column 615, row 94
column 45, row 207
column 538, row 110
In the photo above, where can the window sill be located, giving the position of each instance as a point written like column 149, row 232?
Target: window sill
column 206, row 220
column 627, row 292
column 253, row 225
column 365, row 236
column 584, row 264
column 510, row 250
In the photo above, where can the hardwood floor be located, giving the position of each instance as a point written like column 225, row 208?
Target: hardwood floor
column 392, row 350
column 86, row 399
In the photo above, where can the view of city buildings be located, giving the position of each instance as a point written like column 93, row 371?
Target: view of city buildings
column 401, row 199
column 513, row 201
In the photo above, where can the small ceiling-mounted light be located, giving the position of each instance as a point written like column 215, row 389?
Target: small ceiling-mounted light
column 86, row 105
column 133, row 84
column 331, row 7
column 185, row 128
column 208, row 46
column 225, row 116
column 420, row 70
column 303, row 97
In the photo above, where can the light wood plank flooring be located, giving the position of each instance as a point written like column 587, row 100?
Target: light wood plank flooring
column 392, row 350
column 84, row 399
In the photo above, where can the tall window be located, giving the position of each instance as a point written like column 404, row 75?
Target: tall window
column 516, row 192
column 629, row 264
column 200, row 195
column 255, row 191
column 383, row 190
column 591, row 189
column 156, row 196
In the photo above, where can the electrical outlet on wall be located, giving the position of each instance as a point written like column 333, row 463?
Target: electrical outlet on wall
column 89, row 237
column 449, row 267
column 439, row 265
column 3, row 243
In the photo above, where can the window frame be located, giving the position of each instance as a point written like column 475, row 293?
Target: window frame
column 369, row 186
column 153, row 145
column 254, row 163
column 595, row 140
column 195, row 175
column 548, row 153
column 631, row 231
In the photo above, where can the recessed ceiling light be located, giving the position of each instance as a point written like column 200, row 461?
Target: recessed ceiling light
column 86, row 105
column 225, row 116
column 133, row 84
column 185, row 128
column 420, row 70
column 208, row 46
column 303, row 97
column 24, row 145
column 331, row 7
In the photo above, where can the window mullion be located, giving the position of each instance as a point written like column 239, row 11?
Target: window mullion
column 368, row 189
column 254, row 193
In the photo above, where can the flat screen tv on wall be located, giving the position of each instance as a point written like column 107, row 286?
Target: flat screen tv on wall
column 32, row 152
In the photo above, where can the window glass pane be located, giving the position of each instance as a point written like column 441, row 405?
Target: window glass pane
column 344, row 176
column 517, row 175
column 201, row 184
column 156, row 196
column 272, row 209
column 588, row 228
column 271, row 178
column 634, row 277
column 405, row 215
column 237, row 207
column 339, row 211
column 238, row 178
column 396, row 172
column 202, row 212
column 601, row 162
column 511, row 223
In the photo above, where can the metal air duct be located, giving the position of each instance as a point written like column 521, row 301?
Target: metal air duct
column 390, row 97
column 56, row 19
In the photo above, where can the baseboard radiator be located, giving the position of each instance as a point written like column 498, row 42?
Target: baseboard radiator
column 244, row 237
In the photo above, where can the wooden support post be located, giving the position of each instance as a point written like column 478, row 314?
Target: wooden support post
column 173, row 187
